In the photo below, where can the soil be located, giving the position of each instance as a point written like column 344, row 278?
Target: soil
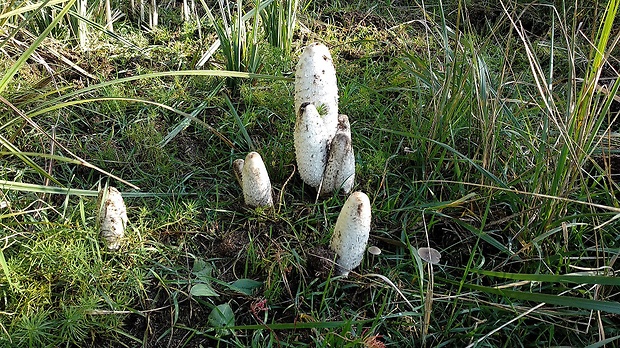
column 321, row 262
column 171, row 318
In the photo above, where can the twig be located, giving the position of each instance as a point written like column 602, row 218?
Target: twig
column 387, row 280
column 282, row 189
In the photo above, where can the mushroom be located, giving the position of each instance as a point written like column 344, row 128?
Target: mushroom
column 340, row 167
column 112, row 217
column 254, row 180
column 316, row 83
column 311, row 144
column 351, row 232
column 238, row 170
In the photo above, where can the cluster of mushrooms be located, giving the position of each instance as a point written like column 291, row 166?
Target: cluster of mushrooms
column 325, row 161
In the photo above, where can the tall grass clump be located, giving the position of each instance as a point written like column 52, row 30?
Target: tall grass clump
column 459, row 100
column 496, row 119
column 278, row 21
column 238, row 37
column 511, row 129
column 567, row 126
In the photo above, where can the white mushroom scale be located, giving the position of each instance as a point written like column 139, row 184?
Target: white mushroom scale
column 316, row 83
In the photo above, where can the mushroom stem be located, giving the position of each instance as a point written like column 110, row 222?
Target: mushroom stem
column 340, row 167
column 311, row 143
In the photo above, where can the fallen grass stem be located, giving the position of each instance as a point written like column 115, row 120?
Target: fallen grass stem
column 538, row 306
column 322, row 325
column 390, row 283
column 515, row 191
column 566, row 301
column 562, row 278
column 35, row 188
column 83, row 162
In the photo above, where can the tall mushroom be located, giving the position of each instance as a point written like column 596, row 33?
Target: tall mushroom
column 316, row 83
column 112, row 217
column 351, row 232
column 254, row 180
column 340, row 167
column 311, row 145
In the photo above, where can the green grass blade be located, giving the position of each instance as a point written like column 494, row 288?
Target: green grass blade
column 603, row 342
column 106, row 31
column 30, row 7
column 567, row 301
column 134, row 100
column 560, row 278
column 5, row 268
column 483, row 171
column 213, row 73
column 35, row 188
column 15, row 151
column 42, row 155
column 185, row 122
column 244, row 131
column 484, row 236
column 321, row 325
column 8, row 75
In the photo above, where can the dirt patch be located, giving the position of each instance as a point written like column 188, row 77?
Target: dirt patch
column 352, row 19
column 321, row 262
column 232, row 243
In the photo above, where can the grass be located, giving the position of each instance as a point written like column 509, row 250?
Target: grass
column 488, row 140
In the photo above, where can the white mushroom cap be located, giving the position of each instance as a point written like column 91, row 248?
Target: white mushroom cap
column 340, row 167
column 311, row 143
column 112, row 217
column 316, row 83
column 255, row 181
column 351, row 232
column 238, row 170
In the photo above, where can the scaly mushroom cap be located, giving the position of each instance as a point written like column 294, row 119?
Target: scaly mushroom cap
column 316, row 83
column 311, row 143
column 112, row 217
column 340, row 168
column 351, row 232
column 255, row 181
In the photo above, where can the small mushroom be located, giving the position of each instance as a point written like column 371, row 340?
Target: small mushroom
column 112, row 217
column 374, row 250
column 238, row 170
column 311, row 143
column 351, row 232
column 316, row 83
column 340, row 167
column 255, row 181
column 429, row 255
